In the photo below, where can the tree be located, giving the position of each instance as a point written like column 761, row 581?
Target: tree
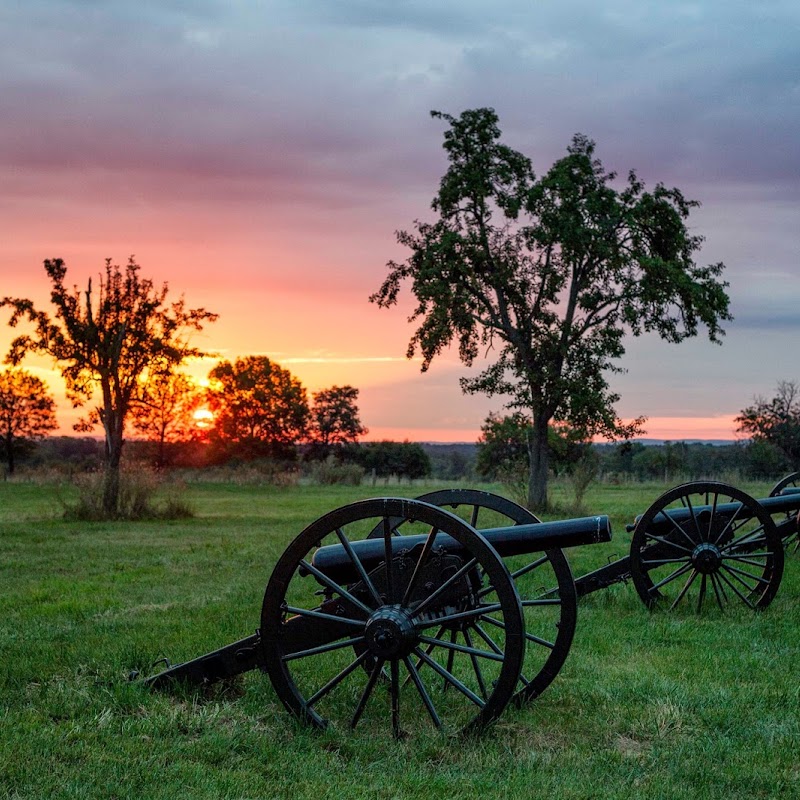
column 334, row 416
column 27, row 411
column 775, row 421
column 258, row 406
column 165, row 412
column 107, row 340
column 553, row 273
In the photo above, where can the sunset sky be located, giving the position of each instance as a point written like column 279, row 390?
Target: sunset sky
column 259, row 156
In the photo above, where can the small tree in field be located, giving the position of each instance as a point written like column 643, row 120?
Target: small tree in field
column 334, row 416
column 551, row 274
column 775, row 421
column 27, row 411
column 165, row 412
column 104, row 339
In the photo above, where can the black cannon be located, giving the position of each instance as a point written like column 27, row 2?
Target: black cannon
column 393, row 609
column 707, row 542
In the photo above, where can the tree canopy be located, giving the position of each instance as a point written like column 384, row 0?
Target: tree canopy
column 334, row 416
column 104, row 340
column 27, row 411
column 258, row 406
column 775, row 421
column 550, row 275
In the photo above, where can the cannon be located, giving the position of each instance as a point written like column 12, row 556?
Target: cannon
column 706, row 542
column 390, row 610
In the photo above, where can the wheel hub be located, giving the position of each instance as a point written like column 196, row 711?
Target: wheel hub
column 706, row 558
column 390, row 632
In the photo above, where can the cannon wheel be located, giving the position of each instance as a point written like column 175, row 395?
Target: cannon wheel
column 707, row 557
column 790, row 481
column 544, row 582
column 316, row 633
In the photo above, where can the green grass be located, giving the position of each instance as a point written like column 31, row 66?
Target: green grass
column 648, row 704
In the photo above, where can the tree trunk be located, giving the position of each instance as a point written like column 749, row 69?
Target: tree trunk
column 10, row 454
column 113, row 454
column 539, row 455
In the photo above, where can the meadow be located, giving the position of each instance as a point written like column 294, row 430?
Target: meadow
column 649, row 704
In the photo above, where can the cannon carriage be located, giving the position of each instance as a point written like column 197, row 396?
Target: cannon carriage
column 449, row 607
column 706, row 542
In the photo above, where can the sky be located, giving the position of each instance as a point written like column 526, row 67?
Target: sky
column 259, row 157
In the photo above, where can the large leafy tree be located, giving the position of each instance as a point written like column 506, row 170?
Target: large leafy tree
column 104, row 340
column 259, row 408
column 775, row 421
column 27, row 412
column 550, row 274
column 334, row 416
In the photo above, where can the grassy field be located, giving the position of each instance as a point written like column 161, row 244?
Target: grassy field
column 648, row 705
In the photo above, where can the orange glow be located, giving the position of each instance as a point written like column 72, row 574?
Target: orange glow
column 203, row 419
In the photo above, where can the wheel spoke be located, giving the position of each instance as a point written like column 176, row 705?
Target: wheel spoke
column 331, row 584
column 450, row 678
column 473, row 520
column 746, row 574
column 395, row 693
column 655, row 562
column 736, row 591
column 362, row 701
column 488, row 639
column 454, row 647
column 445, row 586
column 312, row 612
column 702, row 593
column 359, row 567
column 423, row 556
column 323, row 648
column 459, row 616
column 423, row 692
column 476, row 664
column 387, row 551
column 337, row 679
column 714, row 582
column 748, row 559
column 668, row 543
column 679, row 528
column 671, row 577
column 729, row 524
column 713, row 514
column 740, row 580
column 689, row 582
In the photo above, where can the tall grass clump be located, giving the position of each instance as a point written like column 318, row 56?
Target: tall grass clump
column 143, row 495
column 330, row 472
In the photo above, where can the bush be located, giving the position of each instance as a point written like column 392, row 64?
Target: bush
column 330, row 472
column 138, row 498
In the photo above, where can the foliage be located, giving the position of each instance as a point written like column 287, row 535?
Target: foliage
column 503, row 446
column 27, row 412
column 106, row 341
column 140, row 497
column 775, row 421
column 383, row 459
column 553, row 273
column 331, row 472
column 260, row 409
column 334, row 417
column 165, row 411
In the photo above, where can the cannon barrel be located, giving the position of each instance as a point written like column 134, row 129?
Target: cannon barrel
column 334, row 561
column 785, row 502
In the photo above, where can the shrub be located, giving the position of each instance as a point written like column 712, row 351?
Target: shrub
column 139, row 498
column 330, row 472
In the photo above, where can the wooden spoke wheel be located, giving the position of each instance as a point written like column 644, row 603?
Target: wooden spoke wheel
column 544, row 582
column 791, row 481
column 360, row 631
column 706, row 543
